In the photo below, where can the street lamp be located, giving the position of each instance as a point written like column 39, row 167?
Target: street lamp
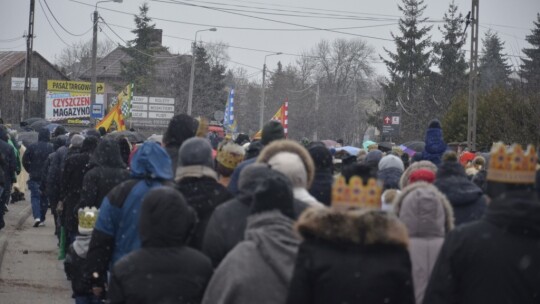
column 261, row 118
column 192, row 77
column 94, row 59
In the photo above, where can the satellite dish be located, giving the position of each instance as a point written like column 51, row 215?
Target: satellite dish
column 219, row 115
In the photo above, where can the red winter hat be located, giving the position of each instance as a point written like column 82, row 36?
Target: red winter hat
column 466, row 157
column 424, row 175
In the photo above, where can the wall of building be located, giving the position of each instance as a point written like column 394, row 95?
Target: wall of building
column 10, row 101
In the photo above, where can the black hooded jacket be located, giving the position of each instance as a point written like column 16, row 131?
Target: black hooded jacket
column 466, row 198
column 227, row 224
column 9, row 160
column 36, row 155
column 494, row 260
column 108, row 170
column 181, row 127
column 164, row 270
column 76, row 166
column 204, row 195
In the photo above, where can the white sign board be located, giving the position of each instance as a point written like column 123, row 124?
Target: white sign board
column 17, row 84
column 139, row 99
column 162, row 100
column 138, row 107
column 161, row 108
column 151, row 111
column 162, row 115
column 138, row 114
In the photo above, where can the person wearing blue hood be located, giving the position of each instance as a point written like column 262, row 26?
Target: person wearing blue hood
column 8, row 166
column 435, row 145
column 116, row 231
column 34, row 160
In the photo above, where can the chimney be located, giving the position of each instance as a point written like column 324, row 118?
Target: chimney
column 156, row 37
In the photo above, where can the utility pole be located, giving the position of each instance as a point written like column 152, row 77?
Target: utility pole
column 192, row 76
column 94, row 72
column 473, row 78
column 28, row 66
column 315, row 133
column 261, row 111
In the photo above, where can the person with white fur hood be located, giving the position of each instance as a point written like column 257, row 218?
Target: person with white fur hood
column 428, row 216
column 293, row 160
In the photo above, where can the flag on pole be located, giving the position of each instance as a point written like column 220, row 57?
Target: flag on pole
column 229, row 121
column 282, row 115
column 116, row 114
column 125, row 99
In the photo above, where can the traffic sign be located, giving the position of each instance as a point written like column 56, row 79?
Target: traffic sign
column 97, row 111
column 391, row 124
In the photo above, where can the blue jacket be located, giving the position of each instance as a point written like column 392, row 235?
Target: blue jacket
column 435, row 146
column 116, row 232
column 36, row 155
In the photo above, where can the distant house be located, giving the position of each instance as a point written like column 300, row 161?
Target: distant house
column 12, row 65
column 109, row 68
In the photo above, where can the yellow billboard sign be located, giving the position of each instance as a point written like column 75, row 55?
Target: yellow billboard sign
column 74, row 86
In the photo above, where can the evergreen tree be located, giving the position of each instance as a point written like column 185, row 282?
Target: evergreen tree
column 494, row 69
column 409, row 69
column 209, row 94
column 530, row 69
column 450, row 57
column 140, row 70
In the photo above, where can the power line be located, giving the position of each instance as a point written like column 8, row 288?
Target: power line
column 60, row 24
column 238, row 47
column 275, row 21
column 238, row 27
column 287, row 12
column 14, row 47
column 11, row 39
column 52, row 27
column 316, row 9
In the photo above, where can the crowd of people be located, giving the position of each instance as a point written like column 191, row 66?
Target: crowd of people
column 189, row 220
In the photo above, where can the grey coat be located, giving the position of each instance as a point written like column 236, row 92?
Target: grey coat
column 428, row 216
column 259, row 269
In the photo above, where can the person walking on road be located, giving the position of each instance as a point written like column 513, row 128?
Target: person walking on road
column 164, row 269
column 33, row 161
column 117, row 228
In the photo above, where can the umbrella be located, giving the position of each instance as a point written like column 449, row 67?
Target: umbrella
column 368, row 143
column 329, row 143
column 349, row 149
column 133, row 137
column 417, row 146
column 385, row 146
column 29, row 121
column 52, row 127
column 411, row 152
column 38, row 124
column 28, row 138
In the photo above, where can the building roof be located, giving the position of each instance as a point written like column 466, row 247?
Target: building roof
column 110, row 66
column 10, row 59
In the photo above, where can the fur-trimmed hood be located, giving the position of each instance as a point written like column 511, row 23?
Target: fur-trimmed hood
column 423, row 164
column 425, row 211
column 293, row 147
column 363, row 227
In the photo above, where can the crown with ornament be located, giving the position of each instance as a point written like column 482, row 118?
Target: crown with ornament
column 229, row 154
column 87, row 219
column 355, row 194
column 513, row 165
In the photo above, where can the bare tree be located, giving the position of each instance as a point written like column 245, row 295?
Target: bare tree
column 77, row 58
column 341, row 69
column 217, row 52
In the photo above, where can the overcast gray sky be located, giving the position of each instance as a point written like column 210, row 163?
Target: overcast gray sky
column 513, row 20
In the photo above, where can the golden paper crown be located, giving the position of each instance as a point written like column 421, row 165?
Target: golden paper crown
column 355, row 194
column 87, row 219
column 512, row 166
column 229, row 154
